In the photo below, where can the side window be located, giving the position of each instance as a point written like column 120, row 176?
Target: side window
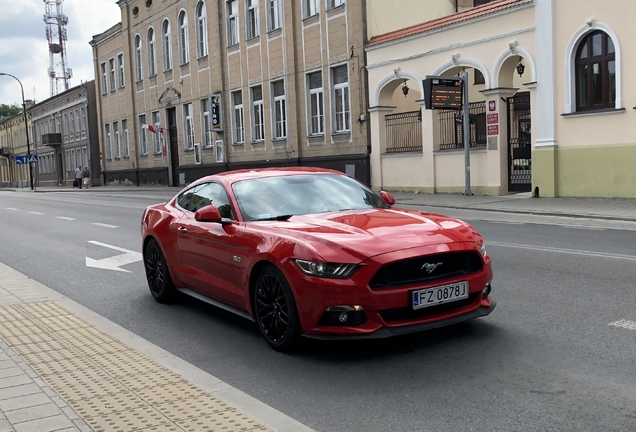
column 205, row 195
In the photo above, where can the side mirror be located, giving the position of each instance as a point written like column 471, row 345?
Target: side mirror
column 208, row 214
column 387, row 197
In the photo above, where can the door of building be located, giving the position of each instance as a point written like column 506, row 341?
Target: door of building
column 171, row 114
column 519, row 143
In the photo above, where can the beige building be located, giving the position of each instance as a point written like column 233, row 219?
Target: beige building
column 551, row 120
column 194, row 87
column 13, row 143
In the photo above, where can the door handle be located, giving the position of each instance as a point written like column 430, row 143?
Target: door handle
column 182, row 229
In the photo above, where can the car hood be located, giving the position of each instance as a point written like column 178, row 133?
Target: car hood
column 363, row 234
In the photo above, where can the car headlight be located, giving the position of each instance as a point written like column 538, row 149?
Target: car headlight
column 326, row 270
column 482, row 249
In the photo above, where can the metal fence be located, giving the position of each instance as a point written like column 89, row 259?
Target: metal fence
column 451, row 127
column 404, row 132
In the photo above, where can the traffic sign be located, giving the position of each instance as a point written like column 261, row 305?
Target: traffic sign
column 25, row 159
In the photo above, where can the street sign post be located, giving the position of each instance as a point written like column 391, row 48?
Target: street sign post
column 26, row 159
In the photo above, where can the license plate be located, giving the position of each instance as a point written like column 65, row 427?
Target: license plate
column 440, row 294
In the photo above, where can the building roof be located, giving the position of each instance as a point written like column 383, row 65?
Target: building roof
column 467, row 15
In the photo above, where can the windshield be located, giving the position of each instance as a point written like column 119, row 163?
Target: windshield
column 276, row 197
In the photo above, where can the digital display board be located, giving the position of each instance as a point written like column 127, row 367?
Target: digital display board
column 443, row 93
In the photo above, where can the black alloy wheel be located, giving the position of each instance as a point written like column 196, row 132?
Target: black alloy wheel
column 275, row 309
column 159, row 280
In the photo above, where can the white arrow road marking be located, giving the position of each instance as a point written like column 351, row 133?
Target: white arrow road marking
column 104, row 225
column 65, row 218
column 113, row 263
column 626, row 324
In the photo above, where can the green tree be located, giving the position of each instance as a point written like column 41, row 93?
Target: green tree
column 9, row 110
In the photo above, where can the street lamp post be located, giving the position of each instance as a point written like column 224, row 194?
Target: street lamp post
column 26, row 126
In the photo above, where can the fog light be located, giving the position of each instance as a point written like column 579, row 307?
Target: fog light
column 343, row 315
column 486, row 292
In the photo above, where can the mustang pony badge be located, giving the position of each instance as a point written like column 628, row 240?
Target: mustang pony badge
column 430, row 268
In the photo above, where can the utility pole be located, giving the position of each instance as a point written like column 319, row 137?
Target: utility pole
column 26, row 127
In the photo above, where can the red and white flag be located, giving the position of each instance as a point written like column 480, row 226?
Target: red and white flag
column 152, row 129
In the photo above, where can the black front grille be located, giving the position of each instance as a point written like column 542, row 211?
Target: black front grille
column 414, row 271
column 407, row 313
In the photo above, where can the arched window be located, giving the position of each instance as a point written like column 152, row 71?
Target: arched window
column 152, row 53
column 184, row 55
column 202, row 30
column 138, row 67
column 595, row 69
column 166, row 38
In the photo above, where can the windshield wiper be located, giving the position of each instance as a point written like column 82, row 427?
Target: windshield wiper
column 275, row 218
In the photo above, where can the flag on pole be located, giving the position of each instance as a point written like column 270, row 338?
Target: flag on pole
column 150, row 128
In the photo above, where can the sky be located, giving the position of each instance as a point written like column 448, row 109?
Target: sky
column 24, row 47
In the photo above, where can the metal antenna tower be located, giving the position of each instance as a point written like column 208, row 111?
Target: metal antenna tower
column 56, row 22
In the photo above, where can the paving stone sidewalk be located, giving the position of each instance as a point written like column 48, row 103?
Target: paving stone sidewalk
column 65, row 368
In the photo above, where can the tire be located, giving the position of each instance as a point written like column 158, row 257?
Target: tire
column 275, row 310
column 157, row 274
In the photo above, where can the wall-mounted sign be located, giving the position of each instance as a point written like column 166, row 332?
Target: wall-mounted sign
column 492, row 118
column 493, row 129
column 443, row 93
column 216, row 113
column 492, row 105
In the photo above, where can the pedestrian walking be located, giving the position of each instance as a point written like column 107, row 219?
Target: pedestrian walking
column 78, row 177
column 86, row 177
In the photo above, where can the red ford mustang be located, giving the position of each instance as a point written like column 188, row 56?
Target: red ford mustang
column 313, row 252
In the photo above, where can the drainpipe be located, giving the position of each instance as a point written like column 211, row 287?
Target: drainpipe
column 225, row 94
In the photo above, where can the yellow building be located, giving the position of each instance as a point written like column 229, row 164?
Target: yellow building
column 192, row 88
column 552, row 120
column 13, row 143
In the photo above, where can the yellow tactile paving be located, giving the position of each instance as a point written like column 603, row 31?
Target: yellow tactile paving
column 111, row 386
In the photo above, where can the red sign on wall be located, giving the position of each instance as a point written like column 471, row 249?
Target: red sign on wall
column 492, row 118
column 492, row 105
column 493, row 129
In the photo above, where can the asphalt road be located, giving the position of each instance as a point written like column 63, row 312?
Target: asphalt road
column 547, row 359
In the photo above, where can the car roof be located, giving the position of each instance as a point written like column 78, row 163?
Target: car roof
column 237, row 175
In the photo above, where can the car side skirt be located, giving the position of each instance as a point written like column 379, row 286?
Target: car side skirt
column 214, row 302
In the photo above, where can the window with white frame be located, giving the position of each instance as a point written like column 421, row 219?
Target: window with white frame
column 238, row 136
column 117, row 144
column 138, row 65
column 156, row 124
column 109, row 150
column 66, row 127
column 340, row 78
column 316, row 104
column 152, row 53
column 232, row 22
column 120, row 65
column 77, row 119
column 279, row 115
column 188, row 120
column 124, row 138
column 258, row 116
column 166, row 37
column 184, row 53
column 335, row 3
column 274, row 14
column 252, row 18
column 202, row 30
column 104, row 81
column 310, row 8
column 205, row 123
column 143, row 138
column 111, row 70
column 72, row 117
column 83, row 127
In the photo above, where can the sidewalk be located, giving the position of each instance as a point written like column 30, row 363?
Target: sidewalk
column 596, row 208
column 65, row 368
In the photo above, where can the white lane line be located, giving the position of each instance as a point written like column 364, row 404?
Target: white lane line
column 567, row 251
column 35, row 213
column 104, row 225
column 626, row 324
column 13, row 209
column 65, row 218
